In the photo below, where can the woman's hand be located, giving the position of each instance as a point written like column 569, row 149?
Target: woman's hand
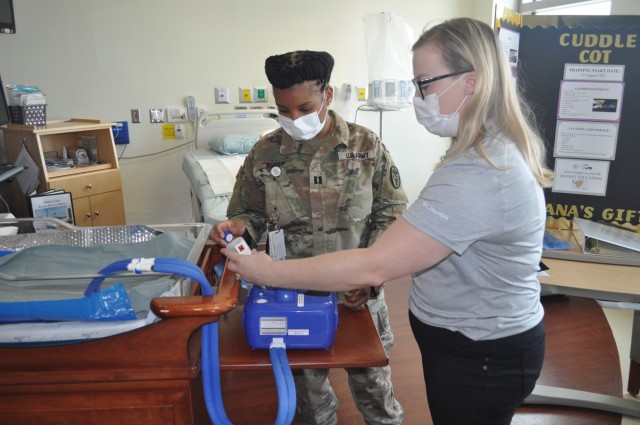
column 252, row 268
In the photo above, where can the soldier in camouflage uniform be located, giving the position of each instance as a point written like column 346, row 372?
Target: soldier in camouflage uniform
column 332, row 186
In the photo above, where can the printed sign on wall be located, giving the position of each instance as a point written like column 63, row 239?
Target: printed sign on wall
column 581, row 84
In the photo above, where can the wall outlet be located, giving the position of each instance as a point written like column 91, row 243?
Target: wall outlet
column 362, row 93
column 245, row 95
column 176, row 114
column 260, row 94
column 222, row 95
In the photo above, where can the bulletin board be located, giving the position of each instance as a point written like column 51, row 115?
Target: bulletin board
column 584, row 86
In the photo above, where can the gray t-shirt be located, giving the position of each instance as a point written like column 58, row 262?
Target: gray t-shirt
column 493, row 220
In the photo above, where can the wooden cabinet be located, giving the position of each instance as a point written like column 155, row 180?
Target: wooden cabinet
column 94, row 196
column 96, row 187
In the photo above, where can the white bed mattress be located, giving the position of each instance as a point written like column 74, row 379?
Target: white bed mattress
column 209, row 206
column 211, row 189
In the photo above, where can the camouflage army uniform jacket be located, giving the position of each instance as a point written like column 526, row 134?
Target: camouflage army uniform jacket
column 341, row 194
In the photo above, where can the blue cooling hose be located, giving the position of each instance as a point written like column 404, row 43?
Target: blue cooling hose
column 94, row 285
column 210, row 352
column 211, row 375
column 285, row 384
column 210, row 355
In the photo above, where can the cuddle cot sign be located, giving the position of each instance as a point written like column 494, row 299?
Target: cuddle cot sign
column 597, row 48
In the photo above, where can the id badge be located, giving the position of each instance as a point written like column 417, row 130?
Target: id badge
column 277, row 250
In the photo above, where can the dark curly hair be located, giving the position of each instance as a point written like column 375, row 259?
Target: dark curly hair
column 288, row 69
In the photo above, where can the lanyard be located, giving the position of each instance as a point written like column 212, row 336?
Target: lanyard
column 274, row 216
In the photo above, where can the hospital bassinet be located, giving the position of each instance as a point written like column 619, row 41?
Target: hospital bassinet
column 147, row 375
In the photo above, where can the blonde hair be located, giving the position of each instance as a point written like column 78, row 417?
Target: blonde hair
column 470, row 44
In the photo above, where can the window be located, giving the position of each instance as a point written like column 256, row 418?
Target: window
column 565, row 7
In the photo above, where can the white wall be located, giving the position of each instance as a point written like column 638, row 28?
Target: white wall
column 625, row 7
column 99, row 59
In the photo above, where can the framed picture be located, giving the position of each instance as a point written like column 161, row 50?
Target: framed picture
column 52, row 204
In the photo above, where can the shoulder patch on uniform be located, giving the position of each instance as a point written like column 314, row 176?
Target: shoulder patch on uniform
column 394, row 174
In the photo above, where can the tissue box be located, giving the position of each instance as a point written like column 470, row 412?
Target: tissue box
column 29, row 115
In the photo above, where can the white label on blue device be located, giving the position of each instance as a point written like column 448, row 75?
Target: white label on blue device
column 273, row 326
column 300, row 300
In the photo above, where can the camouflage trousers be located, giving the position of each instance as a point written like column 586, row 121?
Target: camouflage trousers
column 371, row 387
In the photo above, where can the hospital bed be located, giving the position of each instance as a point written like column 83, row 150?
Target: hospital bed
column 223, row 140
column 150, row 374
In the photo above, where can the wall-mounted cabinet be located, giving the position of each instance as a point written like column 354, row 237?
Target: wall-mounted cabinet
column 94, row 179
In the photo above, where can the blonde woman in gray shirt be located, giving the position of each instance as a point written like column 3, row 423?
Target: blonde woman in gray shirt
column 472, row 240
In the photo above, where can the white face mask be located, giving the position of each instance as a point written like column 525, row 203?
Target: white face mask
column 305, row 127
column 428, row 114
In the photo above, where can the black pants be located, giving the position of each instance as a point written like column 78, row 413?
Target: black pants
column 477, row 382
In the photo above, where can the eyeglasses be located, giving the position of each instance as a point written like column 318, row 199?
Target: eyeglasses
column 421, row 84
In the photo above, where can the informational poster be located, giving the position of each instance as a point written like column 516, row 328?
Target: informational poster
column 594, row 140
column 510, row 41
column 579, row 176
column 593, row 72
column 581, row 83
column 587, row 128
column 168, row 131
column 590, row 100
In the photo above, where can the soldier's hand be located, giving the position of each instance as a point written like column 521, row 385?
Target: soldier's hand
column 236, row 228
column 356, row 298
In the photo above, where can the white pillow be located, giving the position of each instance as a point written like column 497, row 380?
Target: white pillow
column 231, row 144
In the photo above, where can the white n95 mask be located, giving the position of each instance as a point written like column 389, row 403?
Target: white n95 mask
column 305, row 127
column 428, row 114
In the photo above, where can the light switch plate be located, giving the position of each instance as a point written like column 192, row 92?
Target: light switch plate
column 135, row 116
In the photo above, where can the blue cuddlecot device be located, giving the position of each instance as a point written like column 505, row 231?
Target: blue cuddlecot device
column 303, row 319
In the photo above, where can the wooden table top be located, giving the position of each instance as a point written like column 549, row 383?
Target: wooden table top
column 597, row 280
column 571, row 272
column 356, row 344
